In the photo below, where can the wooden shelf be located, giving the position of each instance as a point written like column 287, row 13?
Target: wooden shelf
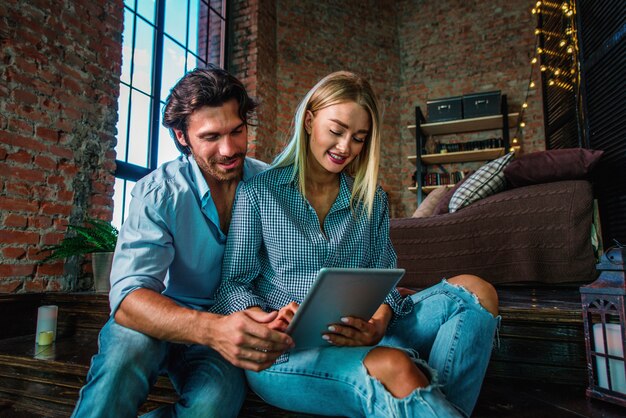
column 463, row 156
column 484, row 123
column 428, row 189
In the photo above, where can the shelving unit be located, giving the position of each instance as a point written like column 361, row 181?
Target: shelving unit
column 421, row 130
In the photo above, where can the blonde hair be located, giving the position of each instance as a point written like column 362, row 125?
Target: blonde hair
column 338, row 87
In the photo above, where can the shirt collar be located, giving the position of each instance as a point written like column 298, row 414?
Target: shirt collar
column 287, row 175
column 204, row 191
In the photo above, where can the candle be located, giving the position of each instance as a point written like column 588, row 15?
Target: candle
column 615, row 348
column 46, row 324
column 45, row 338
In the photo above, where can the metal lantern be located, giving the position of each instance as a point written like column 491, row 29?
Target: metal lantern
column 604, row 320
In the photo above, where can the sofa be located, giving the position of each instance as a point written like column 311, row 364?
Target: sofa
column 535, row 233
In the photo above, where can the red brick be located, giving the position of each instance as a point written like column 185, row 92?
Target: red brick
column 10, row 286
column 47, row 134
column 21, row 173
column 14, row 253
column 15, row 221
column 61, row 152
column 45, row 162
column 20, row 156
column 52, row 238
column 50, row 269
column 24, row 97
column 50, row 208
column 16, row 270
column 37, row 285
column 17, row 205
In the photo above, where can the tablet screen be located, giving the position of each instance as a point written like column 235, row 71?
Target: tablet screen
column 339, row 292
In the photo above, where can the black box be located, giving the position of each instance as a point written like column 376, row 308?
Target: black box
column 476, row 105
column 449, row 108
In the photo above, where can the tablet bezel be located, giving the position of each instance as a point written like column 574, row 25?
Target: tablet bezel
column 326, row 302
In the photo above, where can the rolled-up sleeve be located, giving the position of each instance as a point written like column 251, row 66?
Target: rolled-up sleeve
column 241, row 265
column 143, row 253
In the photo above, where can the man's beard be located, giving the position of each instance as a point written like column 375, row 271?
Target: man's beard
column 213, row 169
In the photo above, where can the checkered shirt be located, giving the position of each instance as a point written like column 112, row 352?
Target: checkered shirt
column 276, row 247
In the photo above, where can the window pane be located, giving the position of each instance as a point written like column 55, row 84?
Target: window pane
column 192, row 33
column 129, row 21
column 176, row 20
column 173, row 66
column 130, row 3
column 143, row 57
column 121, row 199
column 122, row 122
column 167, row 147
column 147, row 8
column 139, row 129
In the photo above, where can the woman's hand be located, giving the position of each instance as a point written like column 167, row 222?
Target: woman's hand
column 357, row 332
column 284, row 317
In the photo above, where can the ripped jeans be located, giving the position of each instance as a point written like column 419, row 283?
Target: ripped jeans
column 453, row 335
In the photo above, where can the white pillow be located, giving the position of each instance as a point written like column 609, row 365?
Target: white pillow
column 486, row 181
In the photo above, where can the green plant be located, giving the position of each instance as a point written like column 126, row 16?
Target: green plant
column 96, row 236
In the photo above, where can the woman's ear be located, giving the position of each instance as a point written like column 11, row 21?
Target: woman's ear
column 308, row 122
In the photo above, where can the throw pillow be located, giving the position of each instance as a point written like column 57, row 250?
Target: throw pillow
column 442, row 206
column 428, row 205
column 486, row 181
column 551, row 165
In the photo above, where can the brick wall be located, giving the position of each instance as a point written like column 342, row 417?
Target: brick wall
column 453, row 47
column 60, row 70
column 412, row 51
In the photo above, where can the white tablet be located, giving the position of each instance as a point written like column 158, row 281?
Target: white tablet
column 339, row 292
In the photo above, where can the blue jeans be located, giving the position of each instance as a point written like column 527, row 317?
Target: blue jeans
column 129, row 362
column 449, row 329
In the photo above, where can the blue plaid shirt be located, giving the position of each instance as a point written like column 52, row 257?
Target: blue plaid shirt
column 276, row 247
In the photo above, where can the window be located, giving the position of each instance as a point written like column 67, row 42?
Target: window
column 162, row 40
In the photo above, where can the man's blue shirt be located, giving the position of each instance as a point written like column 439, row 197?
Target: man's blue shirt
column 171, row 241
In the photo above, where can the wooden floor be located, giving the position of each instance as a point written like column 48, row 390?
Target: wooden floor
column 538, row 370
column 498, row 399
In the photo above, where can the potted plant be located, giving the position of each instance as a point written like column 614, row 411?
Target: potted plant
column 96, row 237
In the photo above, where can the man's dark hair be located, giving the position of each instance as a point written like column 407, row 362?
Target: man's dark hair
column 211, row 86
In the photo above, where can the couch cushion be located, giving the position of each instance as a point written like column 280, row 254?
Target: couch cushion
column 486, row 181
column 442, row 206
column 551, row 165
column 428, row 205
column 538, row 233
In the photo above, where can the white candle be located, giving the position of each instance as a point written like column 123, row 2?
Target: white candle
column 616, row 367
column 46, row 324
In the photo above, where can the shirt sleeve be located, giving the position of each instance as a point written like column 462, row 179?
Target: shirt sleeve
column 143, row 253
column 386, row 254
column 241, row 265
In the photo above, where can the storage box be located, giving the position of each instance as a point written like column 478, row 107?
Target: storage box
column 476, row 105
column 449, row 108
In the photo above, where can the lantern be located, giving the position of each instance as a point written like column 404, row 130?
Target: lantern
column 605, row 328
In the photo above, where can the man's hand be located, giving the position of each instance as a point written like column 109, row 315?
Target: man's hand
column 284, row 317
column 245, row 340
column 357, row 332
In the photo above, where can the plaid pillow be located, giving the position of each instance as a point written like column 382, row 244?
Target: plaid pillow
column 486, row 181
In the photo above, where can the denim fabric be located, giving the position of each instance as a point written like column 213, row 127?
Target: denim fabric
column 448, row 329
column 129, row 362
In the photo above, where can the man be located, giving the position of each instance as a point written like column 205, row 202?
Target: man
column 167, row 266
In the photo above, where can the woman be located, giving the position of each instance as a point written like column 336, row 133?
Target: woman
column 319, row 206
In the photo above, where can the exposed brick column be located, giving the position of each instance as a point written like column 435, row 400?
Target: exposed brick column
column 60, row 72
